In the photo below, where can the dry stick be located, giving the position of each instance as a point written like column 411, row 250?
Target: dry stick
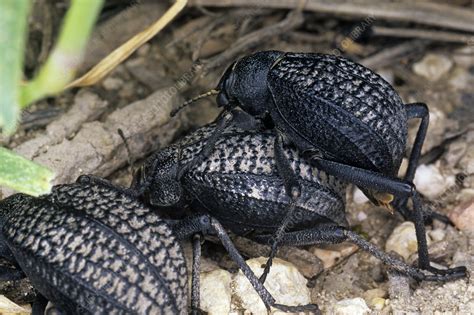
column 106, row 65
column 293, row 20
column 433, row 14
column 423, row 34
column 391, row 54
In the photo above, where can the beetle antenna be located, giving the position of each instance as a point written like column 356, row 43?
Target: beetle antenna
column 194, row 99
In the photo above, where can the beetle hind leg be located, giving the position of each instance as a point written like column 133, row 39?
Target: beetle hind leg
column 206, row 224
column 401, row 189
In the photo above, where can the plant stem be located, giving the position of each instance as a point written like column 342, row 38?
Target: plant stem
column 62, row 64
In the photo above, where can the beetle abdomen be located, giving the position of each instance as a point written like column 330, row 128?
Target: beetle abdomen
column 106, row 254
column 315, row 93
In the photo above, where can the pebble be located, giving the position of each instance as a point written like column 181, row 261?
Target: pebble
column 433, row 66
column 437, row 235
column 466, row 163
column 461, row 79
column 403, row 240
column 216, row 292
column 431, row 182
column 328, row 257
column 285, row 283
column 112, row 83
column 9, row 307
column 359, row 196
column 375, row 298
column 463, row 216
column 355, row 306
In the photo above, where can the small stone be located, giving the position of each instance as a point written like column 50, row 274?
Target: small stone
column 216, row 292
column 437, row 235
column 377, row 303
column 328, row 257
column 359, row 196
column 374, row 293
column 456, row 151
column 431, row 182
column 433, row 66
column 284, row 282
column 461, row 79
column 355, row 306
column 403, row 240
column 112, row 83
column 466, row 163
column 463, row 216
column 361, row 216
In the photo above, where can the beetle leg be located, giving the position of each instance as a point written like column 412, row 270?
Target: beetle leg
column 333, row 234
column 293, row 189
column 417, row 110
column 39, row 305
column 207, row 223
column 195, row 280
column 399, row 188
column 208, row 148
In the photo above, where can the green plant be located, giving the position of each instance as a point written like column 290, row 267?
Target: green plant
column 59, row 70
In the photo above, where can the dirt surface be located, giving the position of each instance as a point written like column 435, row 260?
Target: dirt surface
column 76, row 132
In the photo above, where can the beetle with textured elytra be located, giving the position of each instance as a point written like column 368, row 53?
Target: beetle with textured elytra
column 239, row 186
column 345, row 118
column 92, row 248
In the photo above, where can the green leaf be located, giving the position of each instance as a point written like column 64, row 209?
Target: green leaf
column 13, row 24
column 66, row 57
column 22, row 175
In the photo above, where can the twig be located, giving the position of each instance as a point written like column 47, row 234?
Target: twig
column 293, row 20
column 423, row 34
column 434, row 14
column 391, row 54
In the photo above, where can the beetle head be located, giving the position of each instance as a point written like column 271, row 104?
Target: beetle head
column 244, row 83
column 156, row 180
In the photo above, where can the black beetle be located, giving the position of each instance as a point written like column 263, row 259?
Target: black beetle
column 91, row 248
column 239, row 185
column 344, row 117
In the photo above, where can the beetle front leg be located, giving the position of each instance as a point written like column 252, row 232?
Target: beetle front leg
column 399, row 188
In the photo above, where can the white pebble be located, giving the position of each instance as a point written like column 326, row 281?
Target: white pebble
column 403, row 240
column 355, row 306
column 216, row 292
column 433, row 66
column 285, row 283
column 359, row 196
column 431, row 182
